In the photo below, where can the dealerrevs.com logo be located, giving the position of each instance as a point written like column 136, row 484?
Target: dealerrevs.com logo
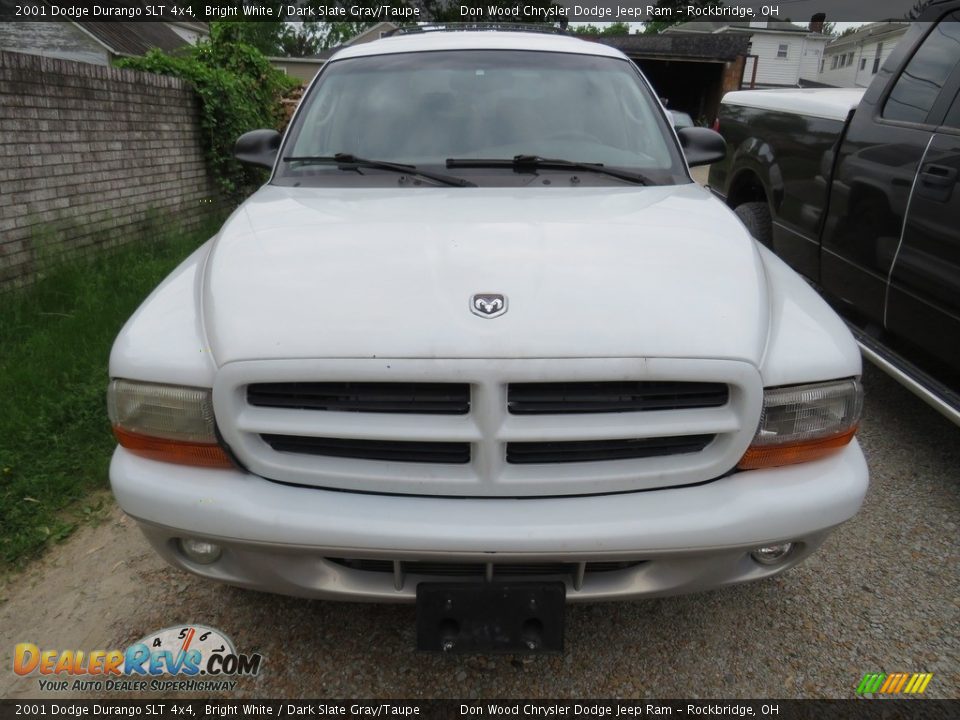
column 183, row 657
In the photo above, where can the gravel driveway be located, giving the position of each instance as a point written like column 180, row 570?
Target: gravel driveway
column 883, row 594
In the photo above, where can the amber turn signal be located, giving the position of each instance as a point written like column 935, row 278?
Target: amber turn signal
column 792, row 453
column 173, row 451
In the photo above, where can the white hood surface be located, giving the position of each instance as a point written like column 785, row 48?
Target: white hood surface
column 588, row 272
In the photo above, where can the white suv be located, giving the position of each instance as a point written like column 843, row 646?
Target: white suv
column 480, row 342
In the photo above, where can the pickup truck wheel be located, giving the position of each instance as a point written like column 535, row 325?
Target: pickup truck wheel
column 756, row 217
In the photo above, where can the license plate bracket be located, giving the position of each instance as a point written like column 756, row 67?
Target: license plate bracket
column 491, row 617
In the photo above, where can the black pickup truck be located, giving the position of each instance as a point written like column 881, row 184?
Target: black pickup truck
column 860, row 192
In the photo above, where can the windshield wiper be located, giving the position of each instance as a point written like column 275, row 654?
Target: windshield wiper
column 529, row 163
column 346, row 161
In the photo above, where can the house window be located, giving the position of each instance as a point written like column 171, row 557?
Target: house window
column 833, row 63
column 863, row 63
column 782, row 51
column 876, row 58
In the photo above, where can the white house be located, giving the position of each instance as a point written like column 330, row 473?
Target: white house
column 853, row 59
column 780, row 54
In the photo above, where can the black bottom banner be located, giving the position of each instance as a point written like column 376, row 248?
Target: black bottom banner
column 859, row 709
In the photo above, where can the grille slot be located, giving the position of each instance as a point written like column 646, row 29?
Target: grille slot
column 465, row 569
column 370, row 397
column 564, row 398
column 527, row 453
column 393, row 450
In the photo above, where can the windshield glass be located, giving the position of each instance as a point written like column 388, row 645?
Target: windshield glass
column 426, row 107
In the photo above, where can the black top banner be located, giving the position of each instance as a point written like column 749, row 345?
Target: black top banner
column 561, row 12
column 454, row 709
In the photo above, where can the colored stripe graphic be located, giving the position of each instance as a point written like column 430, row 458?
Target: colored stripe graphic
column 865, row 683
column 894, row 683
column 900, row 682
column 922, row 685
column 871, row 683
column 890, row 682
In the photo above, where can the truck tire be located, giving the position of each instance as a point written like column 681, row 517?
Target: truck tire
column 756, row 217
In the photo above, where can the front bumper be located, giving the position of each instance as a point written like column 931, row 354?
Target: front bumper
column 280, row 538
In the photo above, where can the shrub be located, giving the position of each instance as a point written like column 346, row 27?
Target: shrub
column 238, row 90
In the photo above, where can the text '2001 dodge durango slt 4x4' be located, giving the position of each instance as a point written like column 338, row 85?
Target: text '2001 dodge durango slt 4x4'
column 481, row 343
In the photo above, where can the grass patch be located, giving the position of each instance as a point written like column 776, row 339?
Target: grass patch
column 55, row 339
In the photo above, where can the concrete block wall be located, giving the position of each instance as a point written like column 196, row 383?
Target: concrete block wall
column 89, row 155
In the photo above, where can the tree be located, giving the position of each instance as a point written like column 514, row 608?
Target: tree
column 608, row 29
column 337, row 33
column 678, row 16
column 280, row 36
column 275, row 36
column 917, row 10
column 301, row 39
column 264, row 36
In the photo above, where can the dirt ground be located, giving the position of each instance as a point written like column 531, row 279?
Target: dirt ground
column 83, row 593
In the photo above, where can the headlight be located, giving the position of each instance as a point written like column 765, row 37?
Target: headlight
column 804, row 422
column 165, row 422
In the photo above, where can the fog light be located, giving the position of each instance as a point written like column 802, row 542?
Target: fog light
column 772, row 554
column 200, row 551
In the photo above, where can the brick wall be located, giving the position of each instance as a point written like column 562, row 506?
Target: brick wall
column 88, row 156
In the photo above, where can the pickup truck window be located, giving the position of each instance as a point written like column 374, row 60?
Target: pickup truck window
column 422, row 108
column 924, row 76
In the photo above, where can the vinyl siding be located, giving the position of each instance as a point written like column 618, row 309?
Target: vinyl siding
column 810, row 62
column 777, row 71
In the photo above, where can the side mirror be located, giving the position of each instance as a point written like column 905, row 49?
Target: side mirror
column 702, row 146
column 258, row 147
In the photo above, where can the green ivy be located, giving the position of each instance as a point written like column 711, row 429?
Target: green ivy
column 238, row 90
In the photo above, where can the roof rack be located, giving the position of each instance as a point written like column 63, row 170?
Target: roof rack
column 467, row 26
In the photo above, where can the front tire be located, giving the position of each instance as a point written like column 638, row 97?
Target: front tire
column 756, row 218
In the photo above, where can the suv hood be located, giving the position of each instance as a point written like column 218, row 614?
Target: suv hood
column 598, row 272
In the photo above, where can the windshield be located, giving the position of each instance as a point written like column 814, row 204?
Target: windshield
column 425, row 108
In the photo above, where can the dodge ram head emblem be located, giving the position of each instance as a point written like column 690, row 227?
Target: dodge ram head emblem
column 488, row 305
